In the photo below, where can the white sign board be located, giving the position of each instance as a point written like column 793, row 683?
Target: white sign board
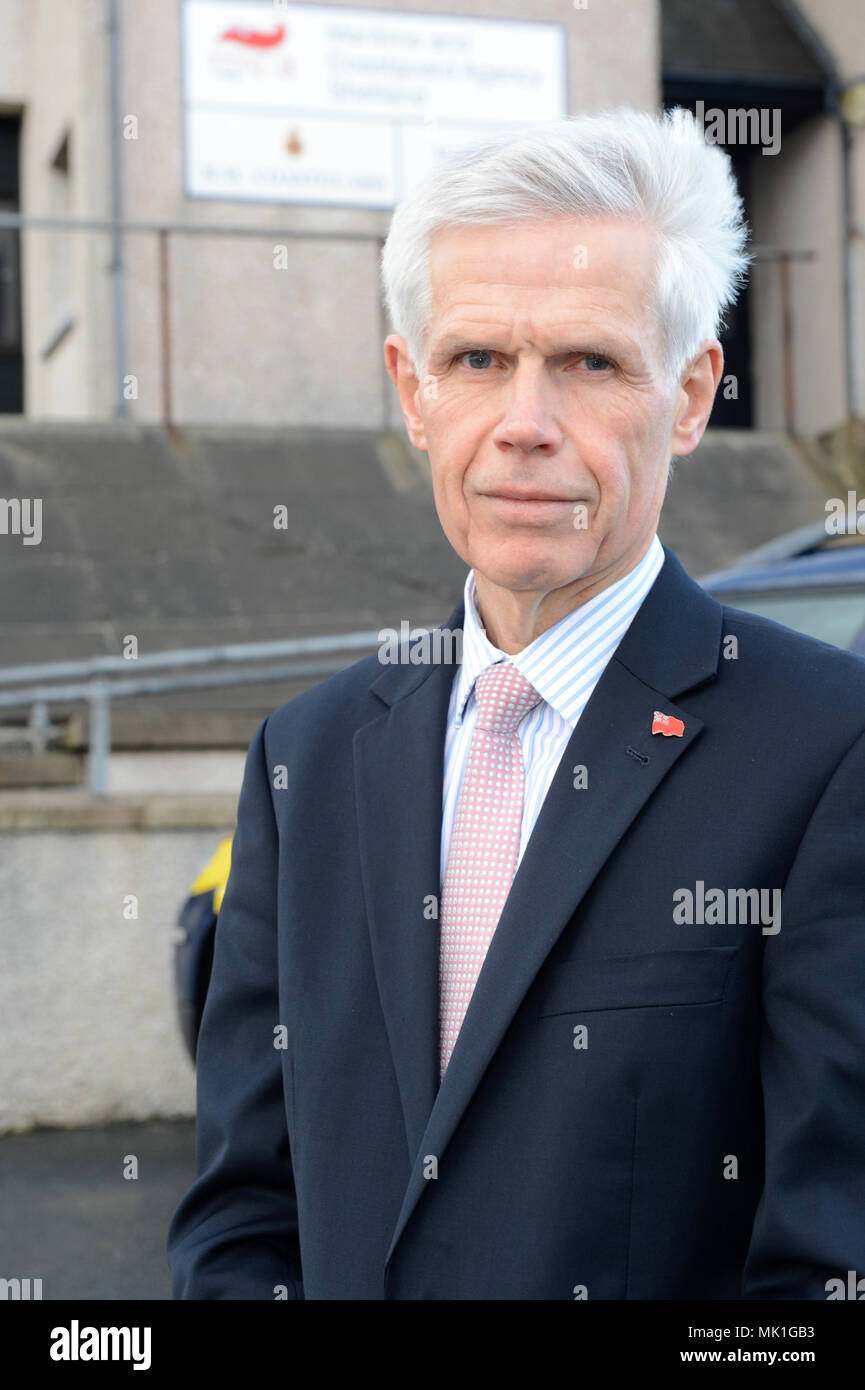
column 330, row 104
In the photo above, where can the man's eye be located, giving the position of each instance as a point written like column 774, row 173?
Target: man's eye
column 474, row 354
column 479, row 359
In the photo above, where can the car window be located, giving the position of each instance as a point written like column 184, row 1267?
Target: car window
column 831, row 616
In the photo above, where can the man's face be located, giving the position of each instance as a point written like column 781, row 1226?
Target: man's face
column 544, row 377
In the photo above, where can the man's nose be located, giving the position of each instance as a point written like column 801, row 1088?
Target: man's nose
column 528, row 422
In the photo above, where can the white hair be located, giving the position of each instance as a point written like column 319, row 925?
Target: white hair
column 623, row 163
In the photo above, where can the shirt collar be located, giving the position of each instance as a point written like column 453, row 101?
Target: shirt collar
column 586, row 634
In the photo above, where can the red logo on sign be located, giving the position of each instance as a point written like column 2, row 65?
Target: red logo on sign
column 256, row 38
column 666, row 724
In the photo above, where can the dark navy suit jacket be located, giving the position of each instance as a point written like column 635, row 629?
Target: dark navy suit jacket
column 637, row 1107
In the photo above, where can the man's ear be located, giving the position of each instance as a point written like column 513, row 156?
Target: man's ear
column 404, row 378
column 696, row 397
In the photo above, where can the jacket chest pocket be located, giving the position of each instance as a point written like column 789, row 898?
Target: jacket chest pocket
column 655, row 980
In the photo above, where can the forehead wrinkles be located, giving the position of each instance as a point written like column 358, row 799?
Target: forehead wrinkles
column 557, row 254
column 537, row 316
column 531, row 263
column 505, row 296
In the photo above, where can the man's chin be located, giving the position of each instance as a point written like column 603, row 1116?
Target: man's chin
column 518, row 579
column 536, row 567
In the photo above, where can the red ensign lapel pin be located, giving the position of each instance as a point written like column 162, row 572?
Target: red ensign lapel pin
column 667, row 725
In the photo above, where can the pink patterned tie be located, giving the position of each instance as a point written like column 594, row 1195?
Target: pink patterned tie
column 485, row 841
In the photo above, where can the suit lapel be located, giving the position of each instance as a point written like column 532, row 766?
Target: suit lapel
column 671, row 647
column 399, row 762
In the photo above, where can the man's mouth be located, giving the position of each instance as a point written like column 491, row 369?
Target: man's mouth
column 517, row 495
column 540, row 506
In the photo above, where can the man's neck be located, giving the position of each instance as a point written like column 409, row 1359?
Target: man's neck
column 514, row 618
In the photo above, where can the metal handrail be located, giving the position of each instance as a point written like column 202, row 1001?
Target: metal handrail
column 188, row 656
column 116, row 690
column 98, row 689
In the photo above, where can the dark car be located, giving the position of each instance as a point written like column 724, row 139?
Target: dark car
column 808, row 579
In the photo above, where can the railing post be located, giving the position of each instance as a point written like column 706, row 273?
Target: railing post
column 787, row 344
column 99, row 736
column 38, row 726
column 165, row 328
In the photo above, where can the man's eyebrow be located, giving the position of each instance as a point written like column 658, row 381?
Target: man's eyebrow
column 600, row 341
column 455, row 345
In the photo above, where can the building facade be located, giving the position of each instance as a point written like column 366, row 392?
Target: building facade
column 241, row 150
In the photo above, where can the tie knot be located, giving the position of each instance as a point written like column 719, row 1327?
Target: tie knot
column 503, row 697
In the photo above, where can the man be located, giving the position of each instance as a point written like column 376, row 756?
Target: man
column 540, row 973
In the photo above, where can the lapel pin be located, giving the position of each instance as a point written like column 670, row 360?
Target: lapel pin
column 667, row 725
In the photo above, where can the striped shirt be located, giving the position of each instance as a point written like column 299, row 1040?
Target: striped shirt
column 564, row 665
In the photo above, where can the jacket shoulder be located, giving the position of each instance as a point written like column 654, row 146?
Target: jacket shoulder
column 344, row 698
column 802, row 670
